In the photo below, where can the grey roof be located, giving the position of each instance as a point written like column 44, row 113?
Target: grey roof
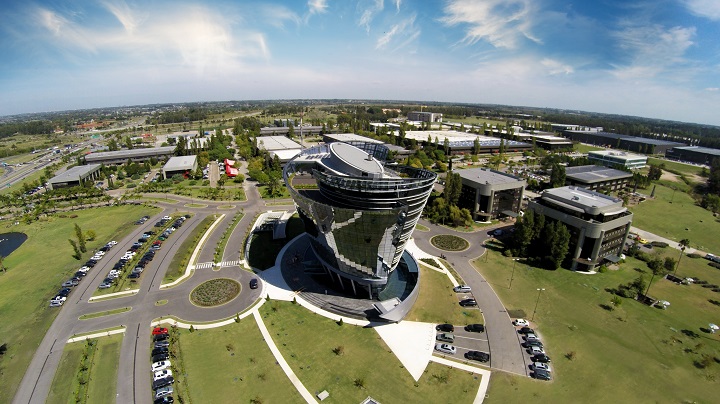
column 350, row 137
column 699, row 149
column 123, row 154
column 648, row 140
column 179, row 163
column 355, row 157
column 487, row 176
column 271, row 143
column 591, row 174
column 580, row 197
column 74, row 173
column 603, row 134
column 616, row 153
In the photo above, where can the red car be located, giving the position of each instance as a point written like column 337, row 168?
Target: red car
column 159, row 330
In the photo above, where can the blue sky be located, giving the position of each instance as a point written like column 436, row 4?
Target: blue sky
column 654, row 58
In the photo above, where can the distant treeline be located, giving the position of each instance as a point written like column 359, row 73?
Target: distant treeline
column 183, row 115
column 27, row 128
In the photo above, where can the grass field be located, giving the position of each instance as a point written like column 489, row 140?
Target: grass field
column 674, row 215
column 99, row 372
column 364, row 367
column 675, row 166
column 35, row 272
column 233, row 364
column 179, row 261
column 437, row 303
column 104, row 313
column 584, row 148
column 640, row 351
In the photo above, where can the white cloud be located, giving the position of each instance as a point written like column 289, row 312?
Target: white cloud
column 555, row 67
column 405, row 30
column 124, row 14
column 713, row 89
column 398, row 3
column 369, row 13
column 704, row 8
column 317, row 6
column 277, row 15
column 502, row 23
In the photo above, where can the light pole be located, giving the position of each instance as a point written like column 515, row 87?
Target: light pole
column 536, row 303
column 515, row 260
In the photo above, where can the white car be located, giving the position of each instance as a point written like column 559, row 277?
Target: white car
column 445, row 348
column 167, row 217
column 84, row 269
column 100, row 253
column 97, row 257
column 162, row 365
column 536, row 350
column 540, row 365
column 56, row 303
column 462, row 289
column 521, row 322
column 161, row 374
column 113, row 242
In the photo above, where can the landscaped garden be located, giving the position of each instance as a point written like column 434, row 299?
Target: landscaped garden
column 215, row 292
column 437, row 303
column 644, row 353
column 179, row 262
column 352, row 363
column 35, row 272
column 449, row 242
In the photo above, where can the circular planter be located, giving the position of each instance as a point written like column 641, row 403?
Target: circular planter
column 449, row 242
column 215, row 292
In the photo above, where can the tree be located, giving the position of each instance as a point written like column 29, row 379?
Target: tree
column 2, row 264
column 81, row 238
column 557, row 176
column 655, row 173
column 684, row 243
column 76, row 250
column 557, row 238
column 453, row 188
column 113, row 145
column 90, row 235
column 181, row 148
column 476, row 146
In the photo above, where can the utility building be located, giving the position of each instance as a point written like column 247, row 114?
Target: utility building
column 75, row 176
column 183, row 165
column 490, row 194
column 598, row 223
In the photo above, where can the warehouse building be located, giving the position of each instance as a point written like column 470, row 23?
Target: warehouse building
column 183, row 165
column 281, row 146
column 624, row 142
column 75, row 176
column 135, row 155
column 597, row 178
column 424, row 116
column 693, row 154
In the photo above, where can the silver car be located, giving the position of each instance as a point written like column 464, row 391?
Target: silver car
column 445, row 348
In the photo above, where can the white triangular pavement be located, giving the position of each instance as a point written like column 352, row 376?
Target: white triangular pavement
column 412, row 342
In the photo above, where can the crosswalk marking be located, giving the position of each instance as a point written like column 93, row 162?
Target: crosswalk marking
column 203, row 265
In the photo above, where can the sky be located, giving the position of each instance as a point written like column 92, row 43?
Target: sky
column 653, row 58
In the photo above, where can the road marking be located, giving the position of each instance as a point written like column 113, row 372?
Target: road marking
column 204, row 265
column 476, row 339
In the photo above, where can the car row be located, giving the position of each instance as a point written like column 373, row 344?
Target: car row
column 445, row 337
column 66, row 287
column 162, row 376
column 534, row 347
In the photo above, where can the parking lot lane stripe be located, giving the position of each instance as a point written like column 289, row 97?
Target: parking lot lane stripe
column 476, row 339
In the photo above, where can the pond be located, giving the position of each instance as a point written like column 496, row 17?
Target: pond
column 10, row 242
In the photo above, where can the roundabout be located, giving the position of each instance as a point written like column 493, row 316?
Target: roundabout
column 215, row 292
column 449, row 242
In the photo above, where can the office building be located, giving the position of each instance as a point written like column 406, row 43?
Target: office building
column 424, row 116
column 490, row 194
column 597, row 178
column 183, row 165
column 617, row 159
column 75, row 176
column 598, row 224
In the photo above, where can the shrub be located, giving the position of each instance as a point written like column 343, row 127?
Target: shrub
column 660, row 244
column 602, row 269
column 339, row 350
column 192, row 329
column 694, row 255
column 570, row 355
column 714, row 265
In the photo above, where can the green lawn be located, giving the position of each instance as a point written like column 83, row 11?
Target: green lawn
column 104, row 313
column 641, row 352
column 675, row 166
column 233, row 364
column 365, row 366
column 98, row 371
column 35, row 272
column 584, row 148
column 437, row 303
column 674, row 215
column 179, row 262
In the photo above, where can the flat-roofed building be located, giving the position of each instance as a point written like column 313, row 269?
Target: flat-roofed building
column 598, row 224
column 306, row 130
column 281, row 146
column 463, row 142
column 490, row 194
column 617, row 159
column 597, row 177
column 694, row 154
column 75, row 176
column 347, row 138
column 183, row 165
column 135, row 155
column 632, row 143
column 545, row 141
column 424, row 116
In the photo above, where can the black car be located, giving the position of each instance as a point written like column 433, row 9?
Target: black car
column 468, row 303
column 164, row 400
column 134, row 275
column 478, row 356
column 528, row 344
column 162, row 344
column 80, row 274
column 160, row 357
column 526, row 330
column 105, row 248
column 64, row 292
column 159, row 350
column 541, row 374
column 90, row 263
column 118, row 265
column 166, row 381
column 541, row 358
column 445, row 327
column 160, row 337
column 475, row 328
column 253, row 283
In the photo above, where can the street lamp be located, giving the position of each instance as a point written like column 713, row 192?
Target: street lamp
column 536, row 303
column 515, row 260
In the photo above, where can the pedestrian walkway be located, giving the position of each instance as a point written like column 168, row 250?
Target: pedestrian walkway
column 204, row 265
column 654, row 237
column 484, row 380
column 235, row 263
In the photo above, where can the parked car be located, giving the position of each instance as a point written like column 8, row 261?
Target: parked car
column 134, row 275
column 158, row 351
column 528, row 344
column 468, row 303
column 160, row 337
column 445, row 327
column 475, row 328
column 445, row 348
column 164, row 400
column 166, row 381
column 462, row 289
column 159, row 330
column 161, row 344
column 541, row 358
column 64, row 292
column 447, row 337
column 70, row 283
column 161, row 374
column 521, row 322
column 477, row 356
column 536, row 350
column 526, row 330
column 541, row 374
column 104, row 285
column 253, row 283
column 160, row 357
column 56, row 303
column 160, row 366
column 163, row 391
column 540, row 365
column 530, row 337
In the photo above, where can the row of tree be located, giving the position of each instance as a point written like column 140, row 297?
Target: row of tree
column 545, row 242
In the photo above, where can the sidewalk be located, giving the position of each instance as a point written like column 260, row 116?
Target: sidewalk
column 671, row 243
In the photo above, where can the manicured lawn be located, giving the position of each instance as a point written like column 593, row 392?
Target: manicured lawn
column 437, row 303
column 104, row 313
column 641, row 352
column 264, row 250
column 365, row 366
column 675, row 166
column 62, row 388
column 35, row 272
column 179, row 262
column 449, row 242
column 584, row 148
column 264, row 193
column 103, row 373
column 233, row 364
column 678, row 220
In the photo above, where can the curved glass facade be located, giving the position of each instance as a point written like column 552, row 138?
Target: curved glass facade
column 359, row 225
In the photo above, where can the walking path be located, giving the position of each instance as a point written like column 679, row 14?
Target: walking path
column 671, row 243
